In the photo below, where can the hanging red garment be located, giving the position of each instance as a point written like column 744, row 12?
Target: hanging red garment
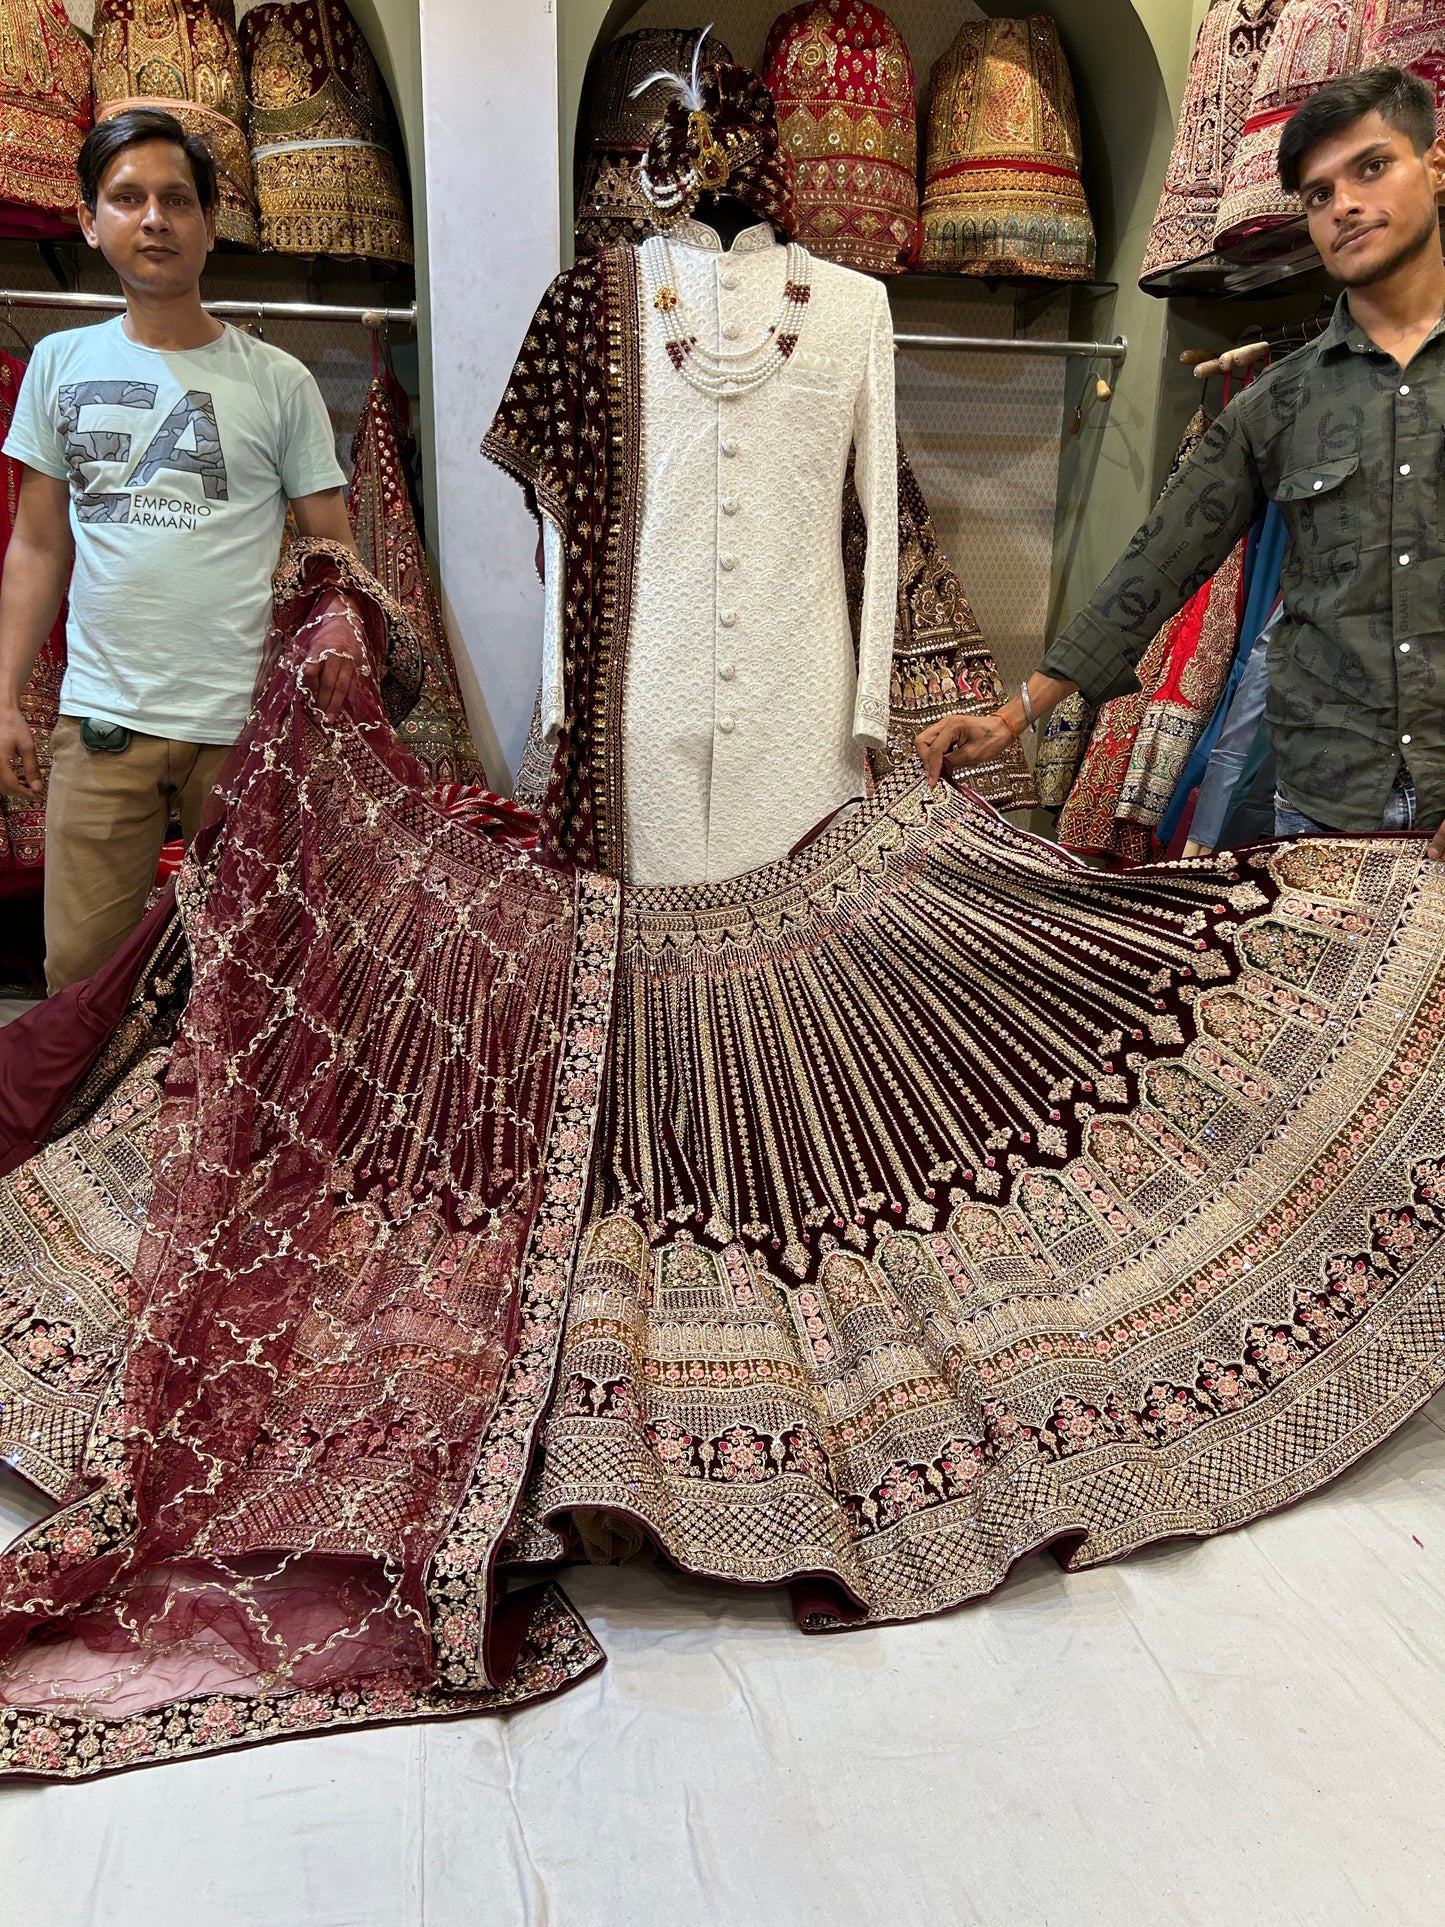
column 1141, row 742
column 1138, row 738
column 389, row 543
column 1195, row 672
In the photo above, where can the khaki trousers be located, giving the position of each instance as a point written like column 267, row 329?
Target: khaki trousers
column 105, row 824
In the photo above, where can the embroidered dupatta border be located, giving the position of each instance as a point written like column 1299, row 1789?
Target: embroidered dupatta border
column 543, row 1647
column 569, row 431
column 624, row 489
column 461, row 1573
column 557, row 1651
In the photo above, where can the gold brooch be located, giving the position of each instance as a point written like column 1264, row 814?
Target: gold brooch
column 712, row 164
column 665, row 300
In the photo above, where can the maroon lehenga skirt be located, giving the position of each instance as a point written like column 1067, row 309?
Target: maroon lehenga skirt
column 863, row 1224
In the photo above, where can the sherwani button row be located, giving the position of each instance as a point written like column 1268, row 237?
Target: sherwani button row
column 729, row 446
column 727, row 617
column 727, row 672
column 726, row 725
column 730, row 505
column 727, row 560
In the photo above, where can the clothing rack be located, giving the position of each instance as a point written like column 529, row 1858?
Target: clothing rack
column 375, row 318
column 1116, row 350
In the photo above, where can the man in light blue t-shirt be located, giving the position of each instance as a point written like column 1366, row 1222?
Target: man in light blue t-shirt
column 161, row 450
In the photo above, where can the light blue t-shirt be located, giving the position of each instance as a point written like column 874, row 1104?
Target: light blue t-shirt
column 180, row 467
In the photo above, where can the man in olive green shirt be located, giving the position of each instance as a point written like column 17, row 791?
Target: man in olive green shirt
column 1348, row 436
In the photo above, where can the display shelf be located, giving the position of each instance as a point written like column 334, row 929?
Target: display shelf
column 1218, row 279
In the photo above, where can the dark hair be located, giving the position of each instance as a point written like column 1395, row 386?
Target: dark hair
column 1394, row 93
column 112, row 137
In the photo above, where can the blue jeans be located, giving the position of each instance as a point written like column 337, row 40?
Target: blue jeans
column 1399, row 812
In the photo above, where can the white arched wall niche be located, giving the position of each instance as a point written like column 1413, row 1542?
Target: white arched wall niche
column 489, row 126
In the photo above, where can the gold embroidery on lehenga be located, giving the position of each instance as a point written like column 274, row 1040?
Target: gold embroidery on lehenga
column 1189, row 1284
column 933, row 1199
column 321, row 141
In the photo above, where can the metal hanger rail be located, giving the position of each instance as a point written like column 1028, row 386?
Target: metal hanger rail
column 375, row 318
column 1115, row 351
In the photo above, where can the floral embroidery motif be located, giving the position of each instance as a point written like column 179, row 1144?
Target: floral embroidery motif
column 461, row 1570
column 557, row 1651
column 1284, row 950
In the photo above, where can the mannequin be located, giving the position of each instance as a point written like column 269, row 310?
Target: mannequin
column 725, row 215
column 683, row 415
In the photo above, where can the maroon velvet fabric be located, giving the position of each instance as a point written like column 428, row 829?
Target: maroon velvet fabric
column 36, row 224
column 45, row 1053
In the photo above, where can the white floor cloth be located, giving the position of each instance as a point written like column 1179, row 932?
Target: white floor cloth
column 1246, row 1731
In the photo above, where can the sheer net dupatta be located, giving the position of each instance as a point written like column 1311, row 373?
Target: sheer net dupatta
column 368, row 1171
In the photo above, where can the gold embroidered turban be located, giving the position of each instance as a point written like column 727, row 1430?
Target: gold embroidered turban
column 1231, row 43
column 1314, row 41
column 181, row 55
column 1003, row 193
column 44, row 117
column 611, row 206
column 841, row 76
column 326, row 176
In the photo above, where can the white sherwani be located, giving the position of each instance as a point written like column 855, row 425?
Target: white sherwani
column 744, row 720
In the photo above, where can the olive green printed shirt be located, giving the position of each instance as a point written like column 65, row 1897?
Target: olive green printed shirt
column 1353, row 450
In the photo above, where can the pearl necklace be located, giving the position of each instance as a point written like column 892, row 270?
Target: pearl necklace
column 718, row 373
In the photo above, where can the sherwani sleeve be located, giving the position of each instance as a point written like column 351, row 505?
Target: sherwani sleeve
column 1207, row 506
column 875, row 458
column 554, row 578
